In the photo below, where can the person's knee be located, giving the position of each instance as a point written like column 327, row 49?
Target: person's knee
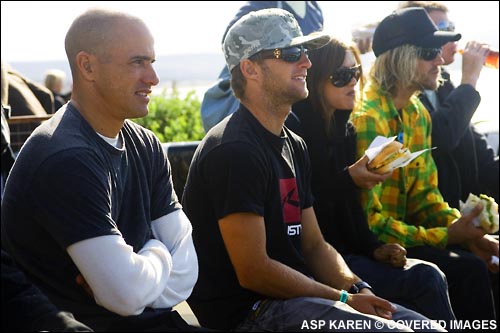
column 430, row 273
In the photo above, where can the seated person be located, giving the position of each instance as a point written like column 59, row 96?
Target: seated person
column 408, row 208
column 89, row 211
column 464, row 160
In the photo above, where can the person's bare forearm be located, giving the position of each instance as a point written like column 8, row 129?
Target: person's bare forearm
column 245, row 240
column 329, row 267
column 276, row 280
column 326, row 264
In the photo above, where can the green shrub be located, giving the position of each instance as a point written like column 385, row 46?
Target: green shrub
column 174, row 119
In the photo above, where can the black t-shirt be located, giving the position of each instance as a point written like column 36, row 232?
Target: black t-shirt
column 241, row 167
column 69, row 185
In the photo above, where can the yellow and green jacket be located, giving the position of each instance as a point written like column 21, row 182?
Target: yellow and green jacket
column 407, row 208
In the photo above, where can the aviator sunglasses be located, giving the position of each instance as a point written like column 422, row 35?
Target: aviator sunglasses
column 289, row 54
column 428, row 54
column 343, row 75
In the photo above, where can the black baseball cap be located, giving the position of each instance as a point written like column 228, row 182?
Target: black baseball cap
column 409, row 26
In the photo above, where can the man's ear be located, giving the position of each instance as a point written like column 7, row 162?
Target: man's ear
column 249, row 69
column 85, row 64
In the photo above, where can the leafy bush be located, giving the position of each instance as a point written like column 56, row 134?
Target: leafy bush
column 174, row 119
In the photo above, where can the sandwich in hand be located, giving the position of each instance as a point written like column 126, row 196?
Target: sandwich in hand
column 389, row 158
column 488, row 219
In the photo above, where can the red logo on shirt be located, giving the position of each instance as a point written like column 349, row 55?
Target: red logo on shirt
column 290, row 202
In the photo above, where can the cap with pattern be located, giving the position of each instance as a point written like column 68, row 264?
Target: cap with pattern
column 266, row 29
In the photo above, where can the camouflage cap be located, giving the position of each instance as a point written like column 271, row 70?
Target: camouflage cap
column 266, row 29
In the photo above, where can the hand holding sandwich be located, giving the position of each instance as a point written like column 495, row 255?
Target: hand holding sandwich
column 485, row 247
column 363, row 177
column 463, row 229
column 488, row 219
column 392, row 156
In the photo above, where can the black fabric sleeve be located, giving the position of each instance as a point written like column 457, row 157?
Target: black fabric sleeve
column 487, row 162
column 164, row 199
column 73, row 215
column 343, row 180
column 452, row 119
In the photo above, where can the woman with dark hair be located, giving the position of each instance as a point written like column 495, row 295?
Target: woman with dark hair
column 323, row 122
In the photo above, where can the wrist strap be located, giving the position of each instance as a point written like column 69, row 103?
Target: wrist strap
column 356, row 288
column 344, row 296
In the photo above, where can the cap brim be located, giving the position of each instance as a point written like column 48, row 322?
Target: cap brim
column 438, row 39
column 311, row 42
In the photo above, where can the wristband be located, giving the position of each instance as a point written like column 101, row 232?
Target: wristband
column 344, row 296
column 356, row 288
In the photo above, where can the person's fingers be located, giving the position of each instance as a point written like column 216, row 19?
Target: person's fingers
column 384, row 308
column 383, row 313
column 384, row 305
column 398, row 260
column 493, row 268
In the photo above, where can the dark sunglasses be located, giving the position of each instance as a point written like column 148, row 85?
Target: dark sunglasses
column 428, row 54
column 289, row 54
column 343, row 75
column 446, row 26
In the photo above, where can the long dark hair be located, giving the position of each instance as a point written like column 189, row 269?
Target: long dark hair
column 324, row 61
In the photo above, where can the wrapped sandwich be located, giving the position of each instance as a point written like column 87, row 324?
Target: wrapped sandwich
column 392, row 156
column 488, row 219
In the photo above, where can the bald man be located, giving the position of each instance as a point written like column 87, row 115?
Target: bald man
column 90, row 212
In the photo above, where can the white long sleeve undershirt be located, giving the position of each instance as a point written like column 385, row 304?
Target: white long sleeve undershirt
column 162, row 274
column 174, row 230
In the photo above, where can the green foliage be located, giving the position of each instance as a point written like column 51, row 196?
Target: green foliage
column 174, row 119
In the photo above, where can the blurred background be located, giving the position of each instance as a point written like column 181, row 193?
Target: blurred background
column 188, row 37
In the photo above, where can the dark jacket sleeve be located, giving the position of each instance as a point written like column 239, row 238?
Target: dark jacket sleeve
column 367, row 237
column 364, row 234
column 452, row 118
column 487, row 162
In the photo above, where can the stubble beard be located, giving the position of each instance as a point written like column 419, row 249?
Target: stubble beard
column 281, row 94
column 430, row 84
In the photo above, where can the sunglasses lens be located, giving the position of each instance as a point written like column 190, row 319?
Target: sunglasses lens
column 429, row 54
column 289, row 54
column 446, row 26
column 342, row 76
column 292, row 54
